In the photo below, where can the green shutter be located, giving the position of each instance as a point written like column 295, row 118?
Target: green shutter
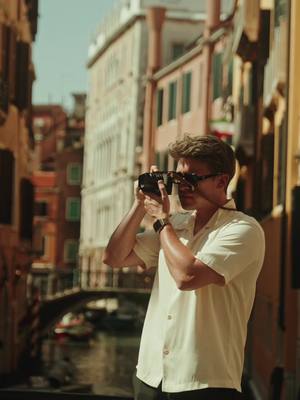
column 72, row 251
column 74, row 174
column 160, row 99
column 217, row 75
column 186, row 92
column 172, row 100
column 73, row 209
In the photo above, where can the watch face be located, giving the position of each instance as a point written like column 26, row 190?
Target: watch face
column 159, row 224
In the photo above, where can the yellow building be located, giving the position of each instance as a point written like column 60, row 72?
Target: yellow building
column 266, row 109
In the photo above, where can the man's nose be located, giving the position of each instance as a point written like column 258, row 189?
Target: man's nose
column 184, row 187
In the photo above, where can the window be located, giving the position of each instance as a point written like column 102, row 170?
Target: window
column 172, row 100
column 74, row 174
column 73, row 209
column 162, row 160
column 41, row 208
column 22, row 81
column 7, row 172
column 26, row 208
column 177, row 50
column 280, row 11
column 70, row 250
column 267, row 173
column 217, row 75
column 186, row 92
column 281, row 169
column 45, row 246
column 200, row 87
column 160, row 103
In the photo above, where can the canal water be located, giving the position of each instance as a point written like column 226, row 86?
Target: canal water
column 106, row 362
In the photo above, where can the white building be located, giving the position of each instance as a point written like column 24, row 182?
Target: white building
column 117, row 61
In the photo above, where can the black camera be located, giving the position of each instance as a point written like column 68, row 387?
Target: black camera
column 148, row 182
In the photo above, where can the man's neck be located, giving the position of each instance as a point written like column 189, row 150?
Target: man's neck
column 204, row 214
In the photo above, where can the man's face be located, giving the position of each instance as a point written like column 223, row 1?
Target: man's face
column 195, row 199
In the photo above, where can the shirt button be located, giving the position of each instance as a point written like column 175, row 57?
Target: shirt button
column 166, row 352
column 169, row 316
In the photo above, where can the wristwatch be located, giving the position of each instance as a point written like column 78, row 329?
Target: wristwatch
column 159, row 224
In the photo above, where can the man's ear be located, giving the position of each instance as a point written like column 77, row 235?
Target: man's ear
column 223, row 181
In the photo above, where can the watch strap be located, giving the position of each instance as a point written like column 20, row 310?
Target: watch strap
column 159, row 224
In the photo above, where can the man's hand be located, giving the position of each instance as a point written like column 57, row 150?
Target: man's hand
column 158, row 207
column 138, row 194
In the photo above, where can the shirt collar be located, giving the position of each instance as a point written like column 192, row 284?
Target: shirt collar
column 217, row 216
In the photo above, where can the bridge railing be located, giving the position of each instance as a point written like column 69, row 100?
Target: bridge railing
column 57, row 283
column 126, row 278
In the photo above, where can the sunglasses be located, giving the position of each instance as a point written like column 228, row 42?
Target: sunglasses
column 148, row 182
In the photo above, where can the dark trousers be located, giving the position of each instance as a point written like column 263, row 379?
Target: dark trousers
column 142, row 391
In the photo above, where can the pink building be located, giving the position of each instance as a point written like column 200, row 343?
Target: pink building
column 186, row 96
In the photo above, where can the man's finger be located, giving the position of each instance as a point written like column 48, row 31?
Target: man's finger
column 162, row 189
column 154, row 168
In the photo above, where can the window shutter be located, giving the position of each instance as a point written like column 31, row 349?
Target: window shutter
column 217, row 75
column 26, row 208
column 267, row 173
column 6, row 186
column 22, row 79
column 71, row 250
column 172, row 100
column 73, row 209
column 4, row 103
column 160, row 102
column 12, row 49
column 186, row 92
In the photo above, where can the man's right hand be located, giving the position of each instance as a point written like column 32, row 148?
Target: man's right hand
column 138, row 194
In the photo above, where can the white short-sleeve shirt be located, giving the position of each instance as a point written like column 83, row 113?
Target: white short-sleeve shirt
column 195, row 339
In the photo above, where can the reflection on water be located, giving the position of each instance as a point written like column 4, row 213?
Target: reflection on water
column 107, row 361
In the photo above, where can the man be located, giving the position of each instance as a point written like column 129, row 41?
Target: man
column 208, row 259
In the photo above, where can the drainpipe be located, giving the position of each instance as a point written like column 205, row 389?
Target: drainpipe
column 212, row 21
column 155, row 19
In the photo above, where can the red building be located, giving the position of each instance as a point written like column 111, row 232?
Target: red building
column 59, row 157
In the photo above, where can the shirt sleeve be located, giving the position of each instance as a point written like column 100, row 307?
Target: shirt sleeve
column 236, row 247
column 147, row 247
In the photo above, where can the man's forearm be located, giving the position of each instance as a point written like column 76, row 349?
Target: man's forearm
column 122, row 240
column 179, row 257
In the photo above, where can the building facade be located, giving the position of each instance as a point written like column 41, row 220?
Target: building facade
column 69, row 163
column 114, row 121
column 267, row 142
column 18, row 26
column 251, row 101
column 58, row 176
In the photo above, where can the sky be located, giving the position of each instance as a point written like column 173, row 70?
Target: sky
column 65, row 28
